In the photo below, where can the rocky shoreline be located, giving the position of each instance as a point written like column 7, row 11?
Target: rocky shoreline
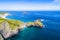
column 11, row 27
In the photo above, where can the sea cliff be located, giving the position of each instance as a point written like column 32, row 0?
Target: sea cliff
column 9, row 27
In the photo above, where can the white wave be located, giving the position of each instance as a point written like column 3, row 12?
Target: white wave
column 4, row 15
column 42, row 19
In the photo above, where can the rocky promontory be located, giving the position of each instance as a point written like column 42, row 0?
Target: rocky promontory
column 36, row 23
column 9, row 27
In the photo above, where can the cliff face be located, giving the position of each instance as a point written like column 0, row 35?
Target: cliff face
column 9, row 27
column 6, row 30
column 1, row 38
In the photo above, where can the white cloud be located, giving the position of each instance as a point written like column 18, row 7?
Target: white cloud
column 28, row 6
column 57, row 1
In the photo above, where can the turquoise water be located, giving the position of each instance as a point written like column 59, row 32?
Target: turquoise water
column 51, row 20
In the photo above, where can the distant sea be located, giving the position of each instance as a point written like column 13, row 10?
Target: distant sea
column 51, row 20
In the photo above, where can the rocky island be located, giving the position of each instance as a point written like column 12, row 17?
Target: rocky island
column 9, row 27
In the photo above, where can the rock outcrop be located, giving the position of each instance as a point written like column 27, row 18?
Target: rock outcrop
column 36, row 23
column 1, row 38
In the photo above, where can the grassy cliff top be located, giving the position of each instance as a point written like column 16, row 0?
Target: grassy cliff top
column 12, row 23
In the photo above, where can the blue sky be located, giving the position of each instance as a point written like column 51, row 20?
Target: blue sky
column 29, row 0
column 29, row 5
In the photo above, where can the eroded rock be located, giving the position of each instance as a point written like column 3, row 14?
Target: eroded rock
column 36, row 23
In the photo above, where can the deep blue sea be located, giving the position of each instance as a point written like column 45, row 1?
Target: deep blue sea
column 51, row 20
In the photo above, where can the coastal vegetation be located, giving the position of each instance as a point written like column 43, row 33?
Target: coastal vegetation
column 12, row 23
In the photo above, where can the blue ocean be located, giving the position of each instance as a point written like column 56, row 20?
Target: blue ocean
column 51, row 20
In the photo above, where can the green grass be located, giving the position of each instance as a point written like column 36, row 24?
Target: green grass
column 12, row 23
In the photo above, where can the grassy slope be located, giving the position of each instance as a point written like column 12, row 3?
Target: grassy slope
column 12, row 23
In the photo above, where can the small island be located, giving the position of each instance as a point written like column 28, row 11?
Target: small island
column 9, row 27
